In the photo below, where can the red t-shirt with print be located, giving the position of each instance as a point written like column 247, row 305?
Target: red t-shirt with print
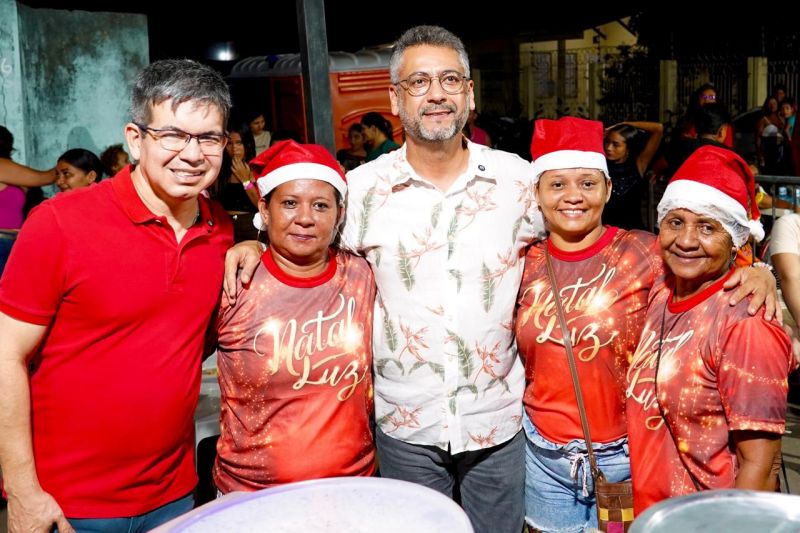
column 721, row 370
column 294, row 360
column 604, row 292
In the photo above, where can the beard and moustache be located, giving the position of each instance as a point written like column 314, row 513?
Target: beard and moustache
column 413, row 124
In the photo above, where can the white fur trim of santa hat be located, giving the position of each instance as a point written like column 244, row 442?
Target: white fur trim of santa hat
column 570, row 159
column 703, row 199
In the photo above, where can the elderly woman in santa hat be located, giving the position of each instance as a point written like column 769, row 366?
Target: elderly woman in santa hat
column 295, row 351
column 604, row 276
column 707, row 383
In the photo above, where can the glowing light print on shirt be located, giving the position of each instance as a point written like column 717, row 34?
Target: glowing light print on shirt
column 583, row 298
column 291, row 343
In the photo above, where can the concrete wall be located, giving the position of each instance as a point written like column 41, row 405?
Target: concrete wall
column 77, row 71
column 11, row 115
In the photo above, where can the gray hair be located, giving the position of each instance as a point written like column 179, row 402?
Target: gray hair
column 179, row 80
column 426, row 36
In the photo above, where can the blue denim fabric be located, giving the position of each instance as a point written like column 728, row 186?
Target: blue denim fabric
column 559, row 489
column 6, row 242
column 489, row 481
column 134, row 524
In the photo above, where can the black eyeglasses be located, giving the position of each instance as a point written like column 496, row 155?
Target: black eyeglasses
column 176, row 140
column 419, row 84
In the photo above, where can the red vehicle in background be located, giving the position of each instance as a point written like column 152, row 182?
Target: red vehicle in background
column 359, row 84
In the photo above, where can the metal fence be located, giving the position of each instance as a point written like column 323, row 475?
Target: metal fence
column 629, row 87
column 728, row 74
column 785, row 72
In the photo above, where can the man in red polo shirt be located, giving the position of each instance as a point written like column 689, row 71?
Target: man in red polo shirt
column 104, row 305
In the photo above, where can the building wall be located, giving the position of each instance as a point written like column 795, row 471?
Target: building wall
column 539, row 71
column 11, row 76
column 77, row 71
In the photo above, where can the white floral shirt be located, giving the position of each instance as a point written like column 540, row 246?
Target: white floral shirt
column 448, row 268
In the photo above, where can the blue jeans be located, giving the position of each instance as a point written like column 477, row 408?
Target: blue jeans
column 490, row 481
column 559, row 489
column 6, row 242
column 134, row 524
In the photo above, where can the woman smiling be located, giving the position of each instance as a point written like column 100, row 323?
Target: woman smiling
column 604, row 276
column 707, row 383
column 295, row 351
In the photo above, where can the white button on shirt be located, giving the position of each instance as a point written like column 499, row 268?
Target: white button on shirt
column 448, row 267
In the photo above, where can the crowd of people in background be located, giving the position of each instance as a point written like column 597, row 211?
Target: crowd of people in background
column 413, row 278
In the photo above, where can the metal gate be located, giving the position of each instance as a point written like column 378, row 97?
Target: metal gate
column 727, row 73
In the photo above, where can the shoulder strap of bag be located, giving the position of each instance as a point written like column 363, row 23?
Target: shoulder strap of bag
column 573, row 368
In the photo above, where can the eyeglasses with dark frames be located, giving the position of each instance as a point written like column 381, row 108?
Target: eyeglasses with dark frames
column 419, row 84
column 176, row 140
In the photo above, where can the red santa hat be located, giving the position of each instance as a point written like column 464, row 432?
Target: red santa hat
column 717, row 183
column 288, row 160
column 569, row 142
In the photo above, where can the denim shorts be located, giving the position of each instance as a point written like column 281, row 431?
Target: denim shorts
column 559, row 489
column 134, row 524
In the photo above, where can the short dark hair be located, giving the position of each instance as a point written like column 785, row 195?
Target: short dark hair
column 426, row 36
column 179, row 80
column 632, row 136
column 373, row 118
column 84, row 160
column 109, row 157
column 6, row 143
column 710, row 118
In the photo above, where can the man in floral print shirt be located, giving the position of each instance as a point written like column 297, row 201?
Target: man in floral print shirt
column 443, row 223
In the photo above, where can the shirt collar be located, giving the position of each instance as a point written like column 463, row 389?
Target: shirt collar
column 478, row 167
column 129, row 200
column 133, row 206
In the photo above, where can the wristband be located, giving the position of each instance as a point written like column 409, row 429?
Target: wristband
column 759, row 264
column 248, row 185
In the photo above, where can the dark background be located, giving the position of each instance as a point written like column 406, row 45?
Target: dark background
column 187, row 30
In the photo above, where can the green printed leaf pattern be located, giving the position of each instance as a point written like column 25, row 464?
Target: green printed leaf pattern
column 488, row 288
column 437, row 369
column 390, row 332
column 380, row 365
column 458, row 276
column 437, row 210
column 378, row 258
column 464, row 355
column 472, row 388
column 417, row 365
column 366, row 209
column 496, row 380
column 453, row 403
column 451, row 235
column 404, row 267
column 504, row 383
column 517, row 226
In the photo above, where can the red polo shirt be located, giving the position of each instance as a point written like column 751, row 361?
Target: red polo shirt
column 114, row 387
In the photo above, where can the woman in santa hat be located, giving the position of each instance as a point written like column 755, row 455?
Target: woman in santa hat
column 295, row 351
column 605, row 275
column 707, row 384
